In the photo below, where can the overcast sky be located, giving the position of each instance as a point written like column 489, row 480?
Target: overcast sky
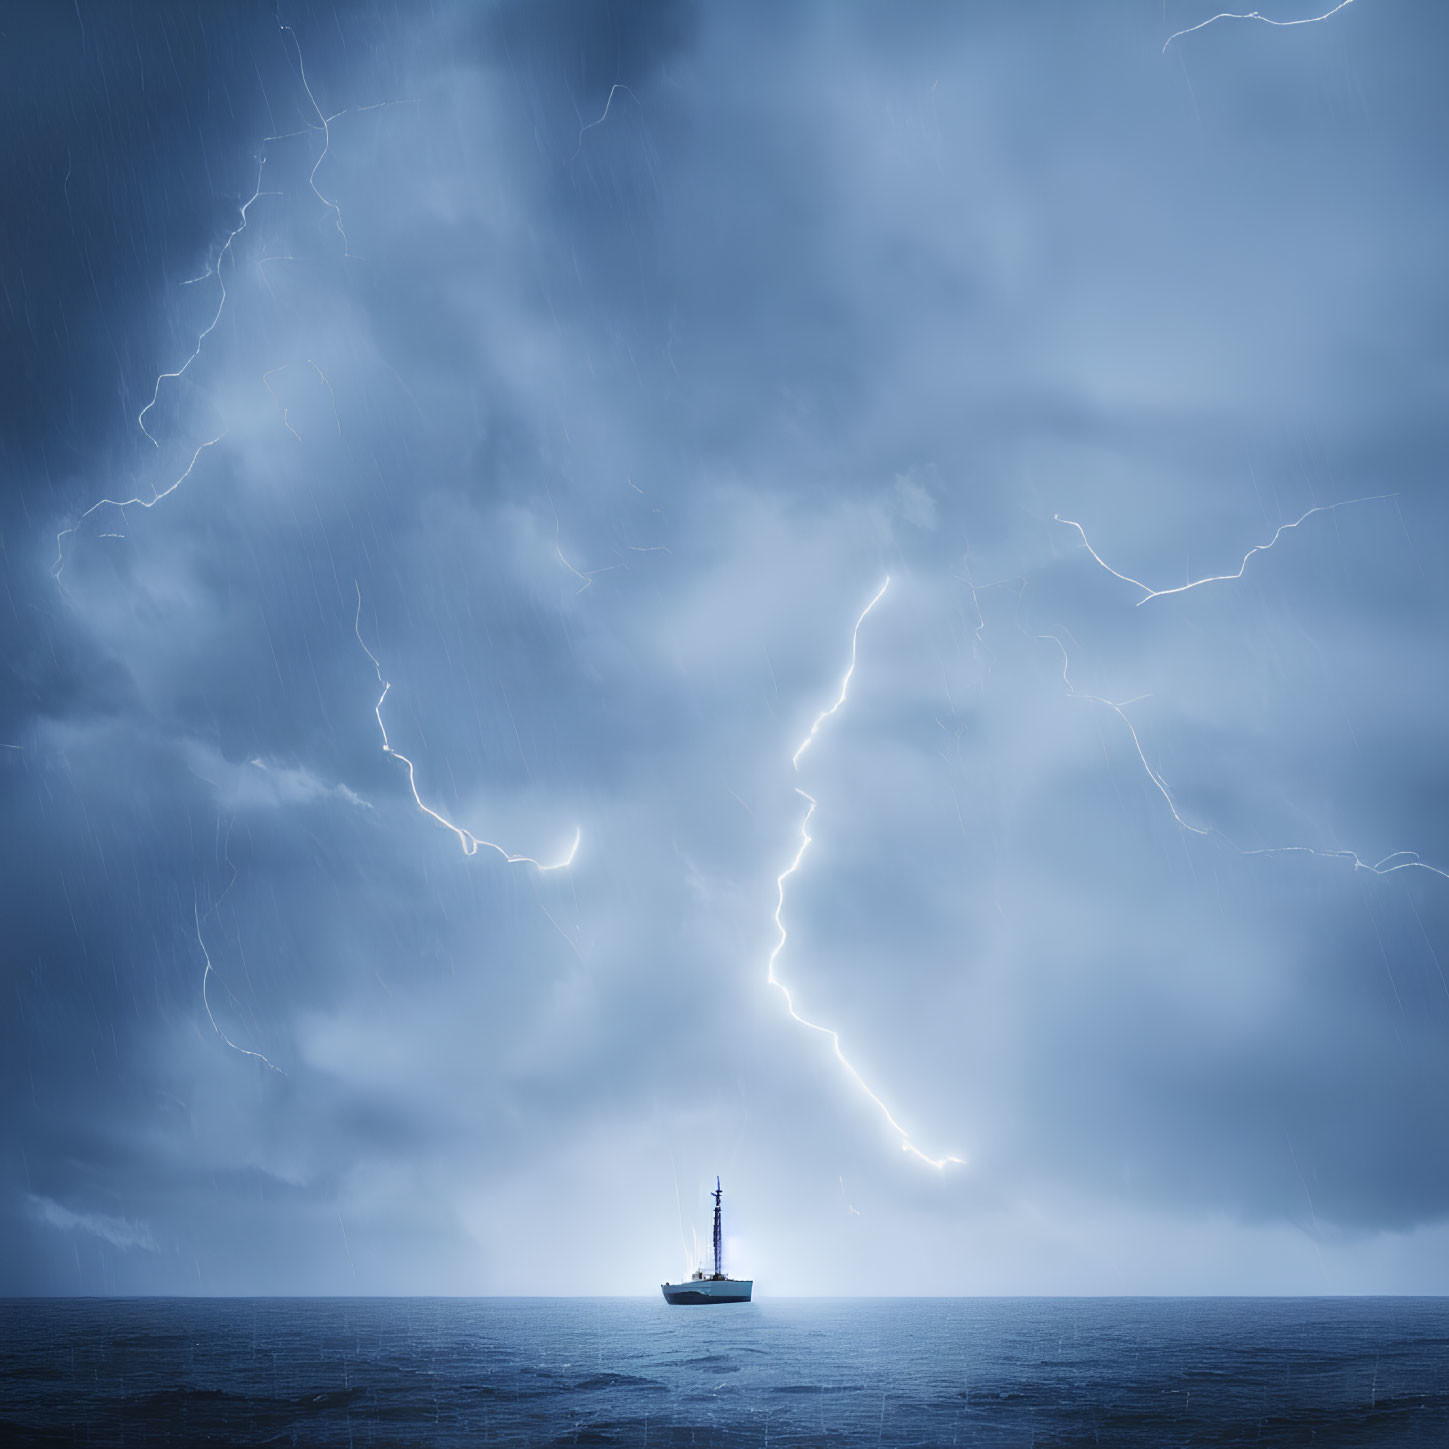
column 590, row 367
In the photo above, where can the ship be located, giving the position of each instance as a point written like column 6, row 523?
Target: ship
column 714, row 1287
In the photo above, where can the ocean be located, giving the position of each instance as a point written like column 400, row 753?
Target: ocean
column 786, row 1372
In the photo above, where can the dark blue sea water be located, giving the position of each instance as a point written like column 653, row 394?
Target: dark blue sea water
column 427, row 1371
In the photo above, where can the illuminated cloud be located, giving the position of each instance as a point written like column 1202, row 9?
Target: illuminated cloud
column 118, row 1232
column 613, row 355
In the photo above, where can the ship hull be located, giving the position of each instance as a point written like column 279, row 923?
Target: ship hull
column 704, row 1291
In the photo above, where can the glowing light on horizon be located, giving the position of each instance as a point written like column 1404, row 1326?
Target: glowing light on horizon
column 469, row 842
column 1149, row 592
column 907, row 1145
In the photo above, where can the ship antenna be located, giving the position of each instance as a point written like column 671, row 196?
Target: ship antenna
column 717, row 1194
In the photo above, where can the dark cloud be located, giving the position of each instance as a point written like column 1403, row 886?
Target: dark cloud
column 652, row 339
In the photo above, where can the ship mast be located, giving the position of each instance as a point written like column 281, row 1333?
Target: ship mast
column 717, row 1194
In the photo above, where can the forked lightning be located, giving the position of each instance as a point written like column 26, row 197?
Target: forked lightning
column 805, row 838
column 466, row 838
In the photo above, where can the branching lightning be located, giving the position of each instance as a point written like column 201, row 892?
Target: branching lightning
column 585, row 576
column 469, row 842
column 1395, row 860
column 124, row 503
column 805, row 840
column 604, row 116
column 206, row 1002
column 326, row 121
column 1259, row 17
column 1149, row 593
column 217, row 269
column 214, row 270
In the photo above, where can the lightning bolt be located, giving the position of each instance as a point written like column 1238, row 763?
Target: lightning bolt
column 585, row 576
column 604, row 116
column 123, row 504
column 1149, row 593
column 327, row 383
column 266, row 383
column 939, row 1163
column 845, row 681
column 214, row 270
column 1395, row 860
column 1259, row 17
column 326, row 121
column 205, row 1001
column 469, row 842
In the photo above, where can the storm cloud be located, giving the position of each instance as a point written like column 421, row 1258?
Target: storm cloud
column 581, row 371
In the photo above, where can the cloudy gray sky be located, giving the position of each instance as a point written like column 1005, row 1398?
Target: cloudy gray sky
column 591, row 366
